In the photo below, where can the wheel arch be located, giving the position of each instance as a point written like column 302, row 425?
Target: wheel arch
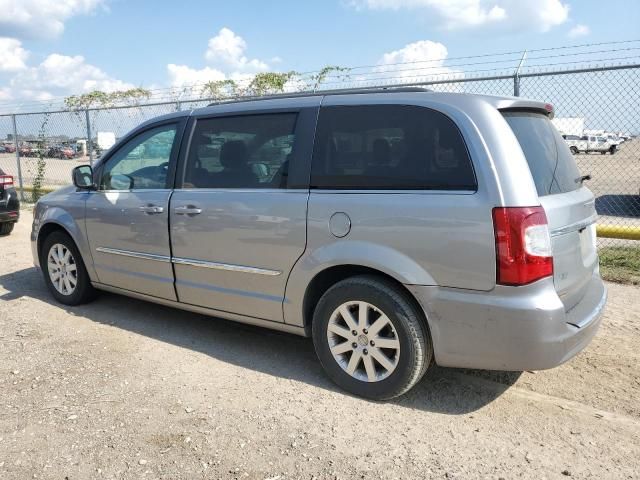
column 328, row 277
column 56, row 219
column 46, row 230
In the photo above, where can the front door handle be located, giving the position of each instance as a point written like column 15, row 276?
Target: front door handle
column 150, row 209
column 188, row 210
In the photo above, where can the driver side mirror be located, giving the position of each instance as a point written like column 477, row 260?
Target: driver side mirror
column 83, row 177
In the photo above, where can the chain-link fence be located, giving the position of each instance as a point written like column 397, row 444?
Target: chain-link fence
column 596, row 109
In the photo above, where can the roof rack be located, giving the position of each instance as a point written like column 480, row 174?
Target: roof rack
column 344, row 91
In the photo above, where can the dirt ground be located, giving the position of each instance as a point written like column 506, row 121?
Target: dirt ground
column 128, row 390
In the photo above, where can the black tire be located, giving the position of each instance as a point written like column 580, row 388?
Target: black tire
column 603, row 153
column 84, row 291
column 416, row 350
column 574, row 150
column 612, row 150
column 6, row 228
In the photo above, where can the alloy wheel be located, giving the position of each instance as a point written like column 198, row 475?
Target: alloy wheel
column 62, row 268
column 363, row 341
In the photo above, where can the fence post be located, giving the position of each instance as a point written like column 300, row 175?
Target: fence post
column 89, row 143
column 15, row 142
column 516, row 76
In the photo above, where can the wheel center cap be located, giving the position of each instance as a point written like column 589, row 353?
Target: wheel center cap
column 363, row 340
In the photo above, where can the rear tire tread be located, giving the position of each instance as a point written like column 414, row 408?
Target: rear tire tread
column 414, row 322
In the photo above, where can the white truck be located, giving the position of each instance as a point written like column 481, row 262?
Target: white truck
column 590, row 143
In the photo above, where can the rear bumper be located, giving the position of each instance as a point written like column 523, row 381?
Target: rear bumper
column 510, row 328
column 9, row 206
column 9, row 216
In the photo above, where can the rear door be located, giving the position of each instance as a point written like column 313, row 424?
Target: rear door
column 569, row 205
column 127, row 217
column 238, row 216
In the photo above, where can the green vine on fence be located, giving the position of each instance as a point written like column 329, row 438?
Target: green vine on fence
column 219, row 89
column 324, row 72
column 269, row 82
column 41, row 165
column 98, row 98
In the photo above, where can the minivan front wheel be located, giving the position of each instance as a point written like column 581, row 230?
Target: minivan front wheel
column 371, row 338
column 64, row 271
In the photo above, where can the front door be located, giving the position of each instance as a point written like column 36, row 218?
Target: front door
column 127, row 217
column 237, row 224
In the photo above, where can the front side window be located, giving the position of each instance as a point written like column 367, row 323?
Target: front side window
column 248, row 151
column 389, row 147
column 141, row 163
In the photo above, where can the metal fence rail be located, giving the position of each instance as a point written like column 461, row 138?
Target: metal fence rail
column 41, row 148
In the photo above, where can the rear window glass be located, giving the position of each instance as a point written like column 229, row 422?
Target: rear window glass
column 552, row 166
column 389, row 147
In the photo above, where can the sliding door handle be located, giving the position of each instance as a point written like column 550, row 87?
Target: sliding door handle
column 150, row 209
column 187, row 210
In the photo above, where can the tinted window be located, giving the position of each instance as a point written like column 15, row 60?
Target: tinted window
column 552, row 166
column 250, row 151
column 389, row 147
column 142, row 162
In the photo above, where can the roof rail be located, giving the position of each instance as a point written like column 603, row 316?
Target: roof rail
column 343, row 91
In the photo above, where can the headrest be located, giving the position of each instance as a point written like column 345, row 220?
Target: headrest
column 233, row 154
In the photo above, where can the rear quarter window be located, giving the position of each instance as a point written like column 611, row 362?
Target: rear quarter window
column 389, row 147
column 550, row 161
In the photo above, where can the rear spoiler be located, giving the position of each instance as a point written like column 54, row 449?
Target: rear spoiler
column 528, row 106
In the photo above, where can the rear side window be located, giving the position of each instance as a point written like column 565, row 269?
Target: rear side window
column 552, row 166
column 386, row 147
column 247, row 151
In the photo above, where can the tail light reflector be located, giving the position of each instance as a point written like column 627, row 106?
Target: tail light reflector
column 523, row 245
column 6, row 181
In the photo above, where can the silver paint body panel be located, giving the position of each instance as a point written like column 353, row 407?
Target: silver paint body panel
column 261, row 233
column 114, row 221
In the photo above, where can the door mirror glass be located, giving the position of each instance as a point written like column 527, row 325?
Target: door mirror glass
column 121, row 182
column 83, row 177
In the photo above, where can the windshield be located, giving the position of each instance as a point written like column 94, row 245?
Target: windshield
column 551, row 163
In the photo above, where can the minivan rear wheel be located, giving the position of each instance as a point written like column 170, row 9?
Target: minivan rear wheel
column 371, row 338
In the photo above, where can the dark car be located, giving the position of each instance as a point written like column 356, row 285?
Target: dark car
column 25, row 151
column 61, row 151
column 9, row 204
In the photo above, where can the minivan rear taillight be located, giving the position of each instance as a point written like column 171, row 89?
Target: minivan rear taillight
column 523, row 245
column 6, row 181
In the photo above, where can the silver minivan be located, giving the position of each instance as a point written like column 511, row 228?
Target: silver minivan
column 398, row 228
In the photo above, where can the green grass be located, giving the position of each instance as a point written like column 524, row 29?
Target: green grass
column 620, row 264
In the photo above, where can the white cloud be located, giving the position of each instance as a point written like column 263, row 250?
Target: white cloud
column 60, row 75
column 12, row 55
column 539, row 15
column 182, row 75
column 416, row 62
column 226, row 55
column 579, row 31
column 41, row 18
column 227, row 49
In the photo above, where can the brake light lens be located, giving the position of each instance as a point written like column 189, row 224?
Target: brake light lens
column 6, row 181
column 523, row 245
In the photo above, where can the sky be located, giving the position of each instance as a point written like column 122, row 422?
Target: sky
column 50, row 49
